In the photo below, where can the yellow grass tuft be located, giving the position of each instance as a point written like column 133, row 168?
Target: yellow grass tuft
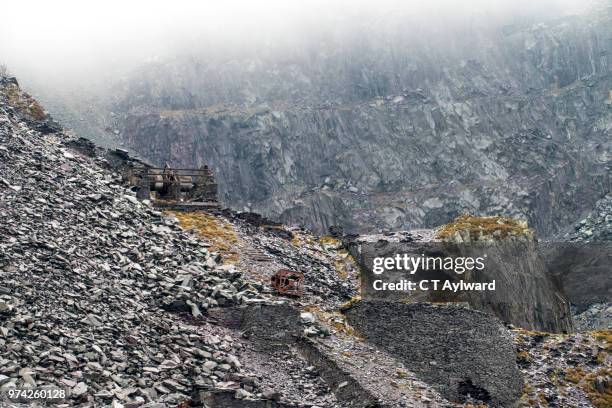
column 24, row 102
column 523, row 357
column 335, row 320
column 352, row 302
column 329, row 242
column 605, row 336
column 477, row 227
column 218, row 232
column 600, row 395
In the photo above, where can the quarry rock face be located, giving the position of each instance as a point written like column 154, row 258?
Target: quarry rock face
column 582, row 264
column 524, row 295
column 583, row 270
column 457, row 358
column 402, row 135
column 588, row 252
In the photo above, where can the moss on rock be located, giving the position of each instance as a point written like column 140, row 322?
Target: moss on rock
column 473, row 228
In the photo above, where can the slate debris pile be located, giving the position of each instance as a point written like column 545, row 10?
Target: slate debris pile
column 565, row 370
column 289, row 378
column 383, row 375
column 297, row 250
column 87, row 275
column 597, row 226
column 596, row 316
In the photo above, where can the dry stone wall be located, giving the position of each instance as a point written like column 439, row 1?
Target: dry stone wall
column 457, row 350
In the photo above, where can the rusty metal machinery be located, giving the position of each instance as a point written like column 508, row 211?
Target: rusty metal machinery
column 288, row 282
column 180, row 189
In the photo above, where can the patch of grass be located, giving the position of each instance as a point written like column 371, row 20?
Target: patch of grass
column 342, row 269
column 345, row 264
column 532, row 332
column 329, row 242
column 352, row 302
column 575, row 374
column 542, row 399
column 601, row 357
column 478, row 227
column 273, row 228
column 526, row 395
column 596, row 384
column 523, row 358
column 219, row 233
column 604, row 336
column 334, row 320
column 301, row 239
column 344, row 261
column 23, row 102
column 401, row 373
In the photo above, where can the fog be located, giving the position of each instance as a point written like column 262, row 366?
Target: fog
column 78, row 41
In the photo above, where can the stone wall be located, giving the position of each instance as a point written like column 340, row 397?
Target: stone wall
column 457, row 350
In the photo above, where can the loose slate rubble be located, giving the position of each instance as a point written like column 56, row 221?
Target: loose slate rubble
column 361, row 372
column 89, row 274
column 463, row 353
column 596, row 316
column 565, row 370
column 295, row 249
column 597, row 226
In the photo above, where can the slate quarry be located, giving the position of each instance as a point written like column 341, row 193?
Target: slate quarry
column 125, row 306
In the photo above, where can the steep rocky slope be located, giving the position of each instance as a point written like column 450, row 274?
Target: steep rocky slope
column 86, row 272
column 597, row 226
column 595, row 231
column 113, row 301
column 103, row 295
column 394, row 125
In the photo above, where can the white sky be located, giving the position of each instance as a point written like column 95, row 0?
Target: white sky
column 59, row 38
